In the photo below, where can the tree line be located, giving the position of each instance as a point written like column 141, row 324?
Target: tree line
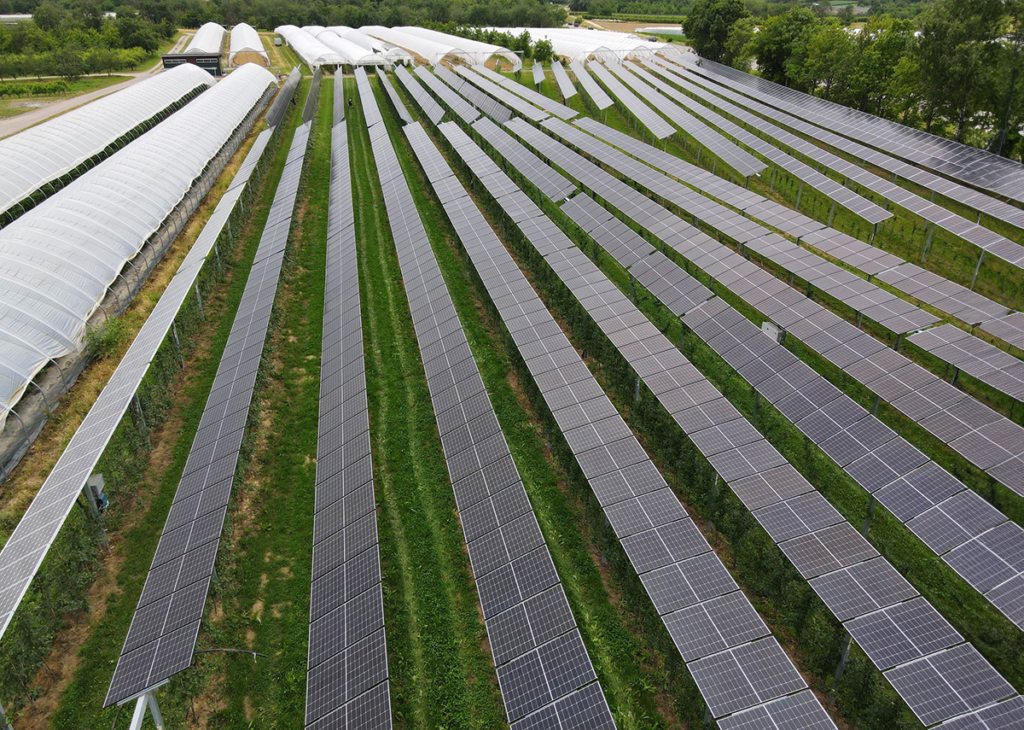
column 953, row 70
column 70, row 42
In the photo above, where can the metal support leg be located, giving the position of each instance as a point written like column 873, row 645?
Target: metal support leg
column 867, row 519
column 757, row 402
column 772, row 186
column 199, row 300
column 636, row 391
column 831, row 213
column 956, row 374
column 177, row 345
column 874, row 408
column 799, row 192
column 974, row 279
column 137, row 406
column 874, row 232
column 928, row 242
column 899, row 341
column 147, row 701
column 841, row 668
column 632, row 289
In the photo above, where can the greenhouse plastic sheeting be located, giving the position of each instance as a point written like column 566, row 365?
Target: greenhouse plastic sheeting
column 52, row 149
column 579, row 44
column 312, row 52
column 57, row 260
column 208, row 39
column 434, row 46
column 245, row 40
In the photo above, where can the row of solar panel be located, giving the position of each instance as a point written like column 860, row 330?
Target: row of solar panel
column 714, row 626
column 163, row 631
column 986, row 239
column 982, row 436
column 975, row 357
column 396, row 100
column 347, row 669
column 538, row 73
column 810, row 532
column 806, row 108
column 544, row 671
column 565, row 87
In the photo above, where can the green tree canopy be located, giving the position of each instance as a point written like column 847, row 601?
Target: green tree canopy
column 708, row 24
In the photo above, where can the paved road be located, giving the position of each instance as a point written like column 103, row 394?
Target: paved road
column 13, row 125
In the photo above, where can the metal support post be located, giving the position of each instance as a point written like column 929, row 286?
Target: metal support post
column 199, row 299
column 860, row 318
column 772, row 186
column 867, row 518
column 799, row 192
column 177, row 345
column 636, row 391
column 714, row 165
column 928, row 242
column 137, row 406
column 874, row 408
column 757, row 402
column 844, row 657
column 956, row 374
column 632, row 288
column 974, row 279
column 874, row 232
column 831, row 213
column 147, row 701
column 899, row 341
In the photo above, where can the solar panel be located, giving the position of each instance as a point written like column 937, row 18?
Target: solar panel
column 392, row 93
column 430, row 108
column 454, row 102
column 745, row 676
column 503, row 95
column 565, row 86
column 157, row 648
column 800, row 710
column 647, row 116
column 596, row 94
column 538, row 73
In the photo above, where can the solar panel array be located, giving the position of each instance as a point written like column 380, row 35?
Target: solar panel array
column 743, row 162
column 974, row 538
column 565, row 87
column 727, row 647
column 433, row 111
column 163, row 631
column 347, row 669
column 392, row 93
column 835, row 118
column 853, row 202
column 597, row 95
column 735, row 196
column 632, row 105
column 477, row 98
column 862, row 296
column 1009, row 329
column 983, row 437
column 893, row 625
column 538, row 73
column 544, row 671
column 28, row 545
column 453, row 101
column 339, row 100
column 549, row 182
column 534, row 97
column 972, row 232
column 975, row 357
column 506, row 97
column 932, row 289
column 984, row 549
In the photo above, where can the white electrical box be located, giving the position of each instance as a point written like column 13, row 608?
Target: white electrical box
column 773, row 330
